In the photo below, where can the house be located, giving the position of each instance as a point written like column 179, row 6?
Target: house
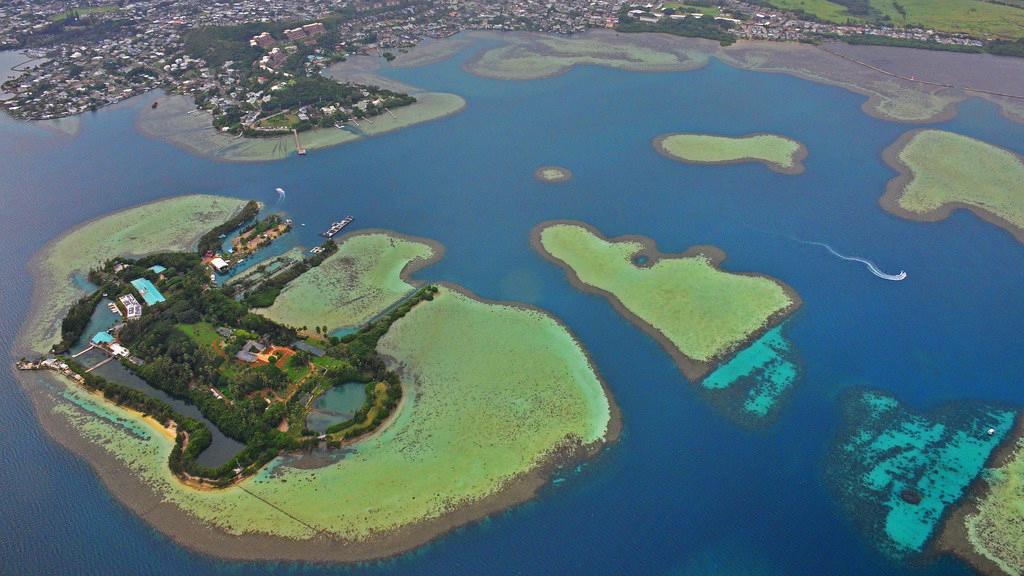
column 225, row 332
column 248, row 352
column 132, row 308
column 220, row 265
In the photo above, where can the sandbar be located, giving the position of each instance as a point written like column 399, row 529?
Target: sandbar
column 943, row 171
column 699, row 313
column 778, row 153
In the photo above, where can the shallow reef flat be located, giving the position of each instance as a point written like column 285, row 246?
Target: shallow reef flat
column 172, row 224
column 532, row 56
column 943, row 171
column 177, row 121
column 698, row 312
column 927, row 92
column 362, row 279
column 896, row 472
column 778, row 153
column 752, row 385
column 552, row 174
column 496, row 397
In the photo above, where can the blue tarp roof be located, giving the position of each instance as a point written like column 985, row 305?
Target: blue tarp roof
column 157, row 269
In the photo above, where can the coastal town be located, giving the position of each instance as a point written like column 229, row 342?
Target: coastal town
column 256, row 67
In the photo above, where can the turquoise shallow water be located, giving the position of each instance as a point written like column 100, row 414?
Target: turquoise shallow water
column 889, row 452
column 686, row 490
column 336, row 405
column 763, row 373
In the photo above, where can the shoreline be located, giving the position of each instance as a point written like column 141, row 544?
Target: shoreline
column 954, row 538
column 796, row 158
column 186, row 530
column 204, row 141
column 34, row 266
column 890, row 200
column 692, row 370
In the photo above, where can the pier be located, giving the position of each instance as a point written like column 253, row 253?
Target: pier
column 298, row 147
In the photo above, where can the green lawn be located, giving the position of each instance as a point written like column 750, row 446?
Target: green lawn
column 203, row 333
column 975, row 17
column 682, row 7
column 286, row 120
column 84, row 11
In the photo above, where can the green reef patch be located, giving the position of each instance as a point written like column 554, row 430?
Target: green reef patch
column 363, row 278
column 778, row 153
column 943, row 171
column 552, row 174
column 699, row 313
column 533, row 56
column 896, row 472
column 173, row 224
column 752, row 385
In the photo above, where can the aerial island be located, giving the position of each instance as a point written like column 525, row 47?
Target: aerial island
column 553, row 174
column 429, row 366
column 943, row 171
column 699, row 313
column 778, row 153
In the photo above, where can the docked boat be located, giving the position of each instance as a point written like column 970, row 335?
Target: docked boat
column 337, row 227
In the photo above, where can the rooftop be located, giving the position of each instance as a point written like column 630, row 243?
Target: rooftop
column 148, row 291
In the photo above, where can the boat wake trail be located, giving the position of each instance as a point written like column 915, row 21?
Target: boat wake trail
column 871, row 265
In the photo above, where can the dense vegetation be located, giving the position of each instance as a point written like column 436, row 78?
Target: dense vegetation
column 689, row 27
column 183, row 354
column 72, row 326
column 211, row 241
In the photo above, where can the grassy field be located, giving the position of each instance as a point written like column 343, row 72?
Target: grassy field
column 492, row 390
column 701, row 312
column 280, row 121
column 202, row 333
column 975, row 17
column 995, row 530
column 777, row 152
column 944, row 170
column 681, row 7
column 174, row 224
column 362, row 279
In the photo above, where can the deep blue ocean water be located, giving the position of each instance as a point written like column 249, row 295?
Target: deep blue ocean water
column 685, row 490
